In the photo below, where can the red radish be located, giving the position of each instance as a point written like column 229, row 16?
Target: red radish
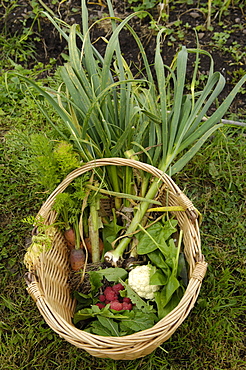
column 126, row 306
column 77, row 259
column 69, row 235
column 108, row 289
column 116, row 305
column 127, row 300
column 111, row 296
column 117, row 287
column 100, row 305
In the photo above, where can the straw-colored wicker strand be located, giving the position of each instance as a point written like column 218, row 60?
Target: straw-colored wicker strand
column 51, row 292
column 34, row 291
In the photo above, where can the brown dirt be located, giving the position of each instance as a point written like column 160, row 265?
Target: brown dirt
column 49, row 44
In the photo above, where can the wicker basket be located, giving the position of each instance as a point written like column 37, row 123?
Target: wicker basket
column 48, row 284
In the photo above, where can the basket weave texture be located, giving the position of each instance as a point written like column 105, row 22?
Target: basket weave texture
column 48, row 283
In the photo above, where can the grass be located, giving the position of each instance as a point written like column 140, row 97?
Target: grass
column 212, row 337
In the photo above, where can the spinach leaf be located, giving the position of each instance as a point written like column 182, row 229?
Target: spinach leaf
column 155, row 237
column 138, row 321
column 172, row 254
column 157, row 259
column 182, row 269
column 112, row 274
column 149, row 240
column 104, row 326
column 83, row 300
column 157, row 277
column 166, row 295
column 172, row 285
column 95, row 311
column 109, row 233
column 95, row 281
column 176, row 297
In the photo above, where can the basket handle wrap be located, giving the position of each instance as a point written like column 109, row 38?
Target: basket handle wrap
column 199, row 271
column 32, row 286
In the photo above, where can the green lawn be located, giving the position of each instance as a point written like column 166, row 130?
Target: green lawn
column 212, row 337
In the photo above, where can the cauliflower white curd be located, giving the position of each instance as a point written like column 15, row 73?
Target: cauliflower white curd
column 138, row 280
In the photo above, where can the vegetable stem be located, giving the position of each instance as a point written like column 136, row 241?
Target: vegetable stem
column 116, row 255
column 93, row 223
column 77, row 234
column 115, row 182
column 178, row 251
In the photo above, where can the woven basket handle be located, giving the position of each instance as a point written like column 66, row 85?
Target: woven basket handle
column 168, row 182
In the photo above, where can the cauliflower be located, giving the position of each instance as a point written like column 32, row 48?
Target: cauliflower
column 138, row 280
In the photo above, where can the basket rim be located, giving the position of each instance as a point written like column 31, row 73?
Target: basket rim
column 117, row 161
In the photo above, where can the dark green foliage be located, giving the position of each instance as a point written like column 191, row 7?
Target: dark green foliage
column 212, row 337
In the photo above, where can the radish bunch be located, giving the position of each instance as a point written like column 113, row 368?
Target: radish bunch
column 111, row 295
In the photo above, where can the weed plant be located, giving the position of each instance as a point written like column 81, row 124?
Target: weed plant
column 212, row 337
column 108, row 112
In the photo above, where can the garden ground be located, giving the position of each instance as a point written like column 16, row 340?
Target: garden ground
column 213, row 336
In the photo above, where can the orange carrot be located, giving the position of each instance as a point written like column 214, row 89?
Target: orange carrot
column 89, row 246
column 77, row 259
column 69, row 235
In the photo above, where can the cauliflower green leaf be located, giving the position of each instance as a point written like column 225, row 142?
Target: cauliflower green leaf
column 139, row 302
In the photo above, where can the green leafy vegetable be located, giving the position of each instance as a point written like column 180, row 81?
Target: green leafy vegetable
column 138, row 321
column 105, row 326
column 95, row 311
column 157, row 277
column 112, row 274
column 139, row 302
column 110, row 232
column 165, row 308
column 95, row 281
column 115, row 324
column 155, row 237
